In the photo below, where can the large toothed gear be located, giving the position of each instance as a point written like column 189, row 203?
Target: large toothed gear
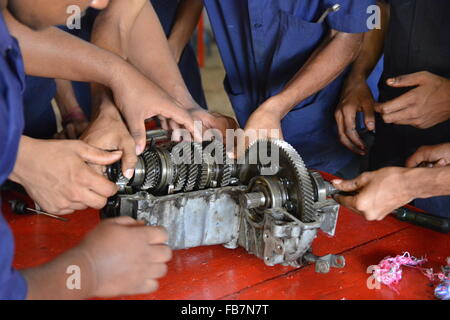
column 152, row 169
column 291, row 171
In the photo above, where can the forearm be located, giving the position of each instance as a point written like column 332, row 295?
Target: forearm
column 428, row 182
column 65, row 97
column 188, row 15
column 53, row 280
column 372, row 48
column 324, row 66
column 138, row 37
column 46, row 51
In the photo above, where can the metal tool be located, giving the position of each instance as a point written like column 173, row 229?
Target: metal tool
column 20, row 207
column 423, row 220
column 332, row 9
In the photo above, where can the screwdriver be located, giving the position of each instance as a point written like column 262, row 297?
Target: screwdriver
column 20, row 207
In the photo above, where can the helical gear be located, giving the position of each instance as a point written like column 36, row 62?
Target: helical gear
column 152, row 169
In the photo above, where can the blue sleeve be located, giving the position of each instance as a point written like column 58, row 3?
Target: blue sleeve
column 12, row 284
column 352, row 17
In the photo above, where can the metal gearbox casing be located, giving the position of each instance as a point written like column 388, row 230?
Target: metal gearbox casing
column 238, row 215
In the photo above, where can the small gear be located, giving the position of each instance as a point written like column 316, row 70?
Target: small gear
column 203, row 179
column 227, row 169
column 193, row 167
column 152, row 169
column 181, row 157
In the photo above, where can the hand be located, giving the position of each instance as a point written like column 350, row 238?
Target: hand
column 121, row 256
column 143, row 100
column 73, row 127
column 57, row 176
column 432, row 156
column 208, row 120
column 378, row 193
column 108, row 132
column 127, row 257
column 422, row 107
column 264, row 123
column 355, row 98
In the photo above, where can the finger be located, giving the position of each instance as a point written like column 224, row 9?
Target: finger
column 343, row 137
column 159, row 254
column 349, row 185
column 99, row 184
column 94, row 155
column 180, row 116
column 403, row 117
column 129, row 158
column 157, row 270
column 77, row 206
column 146, row 287
column 174, row 125
column 441, row 163
column 155, row 235
column 124, row 221
column 70, row 131
column 369, row 117
column 400, row 103
column 136, row 126
column 92, row 199
column 409, row 80
column 164, row 124
column 420, row 156
column 347, row 201
column 350, row 130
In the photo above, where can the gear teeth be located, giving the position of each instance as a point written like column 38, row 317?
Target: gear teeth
column 227, row 169
column 302, row 174
column 181, row 168
column 152, row 170
column 304, row 177
column 193, row 167
column 204, row 177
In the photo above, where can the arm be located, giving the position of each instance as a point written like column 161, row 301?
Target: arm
column 74, row 120
column 326, row 63
column 47, row 50
column 188, row 14
column 356, row 94
column 138, row 37
column 380, row 192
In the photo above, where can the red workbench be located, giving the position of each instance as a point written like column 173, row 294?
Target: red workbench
column 219, row 273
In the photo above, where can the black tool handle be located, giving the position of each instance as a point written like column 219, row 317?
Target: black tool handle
column 423, row 220
column 19, row 207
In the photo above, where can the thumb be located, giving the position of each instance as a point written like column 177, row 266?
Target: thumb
column 97, row 156
column 125, row 221
column 409, row 80
column 347, row 185
column 137, row 130
column 369, row 117
column 420, row 156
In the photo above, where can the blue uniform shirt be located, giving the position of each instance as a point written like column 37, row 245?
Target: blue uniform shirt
column 263, row 43
column 12, row 284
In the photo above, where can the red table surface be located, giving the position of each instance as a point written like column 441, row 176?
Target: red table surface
column 218, row 273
